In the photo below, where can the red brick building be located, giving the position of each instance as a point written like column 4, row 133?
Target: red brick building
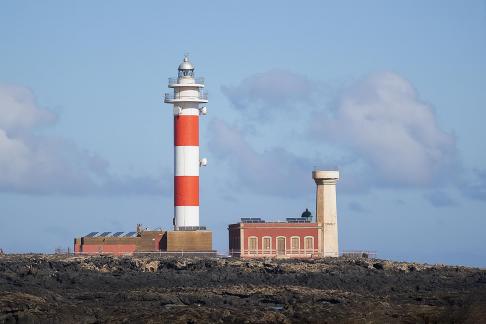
column 197, row 242
column 254, row 238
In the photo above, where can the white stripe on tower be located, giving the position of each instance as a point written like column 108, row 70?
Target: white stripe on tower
column 186, row 161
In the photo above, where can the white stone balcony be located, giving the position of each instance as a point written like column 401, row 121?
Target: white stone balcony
column 201, row 97
column 186, row 82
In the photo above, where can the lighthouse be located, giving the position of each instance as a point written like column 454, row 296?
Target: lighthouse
column 187, row 99
column 187, row 237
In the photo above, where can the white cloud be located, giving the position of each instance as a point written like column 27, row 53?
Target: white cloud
column 390, row 137
column 275, row 171
column 262, row 93
column 439, row 198
column 382, row 120
column 475, row 187
column 19, row 111
column 30, row 163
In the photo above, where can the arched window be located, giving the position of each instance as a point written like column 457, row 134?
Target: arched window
column 253, row 245
column 309, row 245
column 295, row 244
column 281, row 245
column 267, row 245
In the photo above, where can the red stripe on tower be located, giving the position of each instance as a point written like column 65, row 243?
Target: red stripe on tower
column 186, row 191
column 186, row 130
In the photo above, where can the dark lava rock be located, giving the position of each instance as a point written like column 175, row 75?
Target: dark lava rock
column 101, row 289
column 378, row 265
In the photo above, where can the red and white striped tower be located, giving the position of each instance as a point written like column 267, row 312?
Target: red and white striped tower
column 187, row 96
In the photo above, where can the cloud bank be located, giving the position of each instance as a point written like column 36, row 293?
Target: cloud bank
column 275, row 171
column 439, row 198
column 35, row 164
column 476, row 188
column 261, row 94
column 390, row 137
column 382, row 121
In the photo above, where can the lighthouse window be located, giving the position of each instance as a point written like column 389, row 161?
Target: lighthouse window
column 186, row 72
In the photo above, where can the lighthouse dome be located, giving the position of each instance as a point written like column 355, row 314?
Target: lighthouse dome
column 186, row 65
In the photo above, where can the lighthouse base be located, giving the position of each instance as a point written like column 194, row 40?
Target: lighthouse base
column 200, row 241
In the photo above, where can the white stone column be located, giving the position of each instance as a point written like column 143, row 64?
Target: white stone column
column 326, row 211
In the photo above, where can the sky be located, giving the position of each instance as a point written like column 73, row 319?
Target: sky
column 390, row 93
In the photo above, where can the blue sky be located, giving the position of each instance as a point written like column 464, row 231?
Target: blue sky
column 392, row 93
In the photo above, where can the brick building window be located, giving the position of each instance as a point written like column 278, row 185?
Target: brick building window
column 267, row 245
column 281, row 246
column 253, row 245
column 309, row 245
column 295, row 244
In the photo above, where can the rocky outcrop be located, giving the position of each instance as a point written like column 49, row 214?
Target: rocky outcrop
column 67, row 289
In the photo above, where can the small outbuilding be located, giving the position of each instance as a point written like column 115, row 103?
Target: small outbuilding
column 198, row 242
column 295, row 237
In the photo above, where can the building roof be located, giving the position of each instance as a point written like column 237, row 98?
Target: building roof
column 287, row 220
column 111, row 234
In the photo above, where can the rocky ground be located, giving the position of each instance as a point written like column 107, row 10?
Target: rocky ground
column 67, row 289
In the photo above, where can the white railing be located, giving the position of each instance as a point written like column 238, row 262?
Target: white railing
column 176, row 81
column 302, row 253
column 199, row 96
column 325, row 167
